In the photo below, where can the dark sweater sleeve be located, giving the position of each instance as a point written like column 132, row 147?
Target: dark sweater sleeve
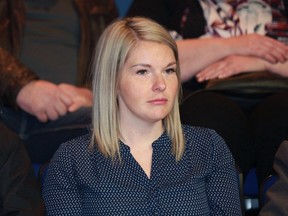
column 19, row 192
column 169, row 13
column 161, row 11
column 277, row 194
column 13, row 76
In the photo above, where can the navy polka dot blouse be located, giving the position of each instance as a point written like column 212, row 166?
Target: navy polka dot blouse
column 203, row 182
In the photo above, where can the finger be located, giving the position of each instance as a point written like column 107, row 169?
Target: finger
column 213, row 71
column 52, row 114
column 42, row 117
column 80, row 102
column 274, row 56
column 200, row 77
column 61, row 108
column 66, row 99
column 275, row 52
column 74, row 107
column 203, row 75
column 224, row 75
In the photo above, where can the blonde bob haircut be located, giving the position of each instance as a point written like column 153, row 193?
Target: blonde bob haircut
column 111, row 53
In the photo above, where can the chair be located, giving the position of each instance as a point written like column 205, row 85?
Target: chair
column 254, row 196
column 42, row 173
column 36, row 167
column 251, row 191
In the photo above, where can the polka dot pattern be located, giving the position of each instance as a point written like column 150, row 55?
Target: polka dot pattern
column 203, row 182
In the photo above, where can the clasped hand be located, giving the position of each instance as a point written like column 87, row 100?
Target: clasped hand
column 252, row 53
column 47, row 101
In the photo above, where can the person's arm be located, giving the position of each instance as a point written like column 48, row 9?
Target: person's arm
column 277, row 195
column 197, row 54
column 279, row 68
column 60, row 190
column 81, row 97
column 222, row 184
column 21, row 88
column 13, row 76
column 236, row 64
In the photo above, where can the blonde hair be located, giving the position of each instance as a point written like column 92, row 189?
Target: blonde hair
column 111, row 53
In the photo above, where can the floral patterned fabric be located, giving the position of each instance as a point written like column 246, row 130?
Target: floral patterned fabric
column 226, row 18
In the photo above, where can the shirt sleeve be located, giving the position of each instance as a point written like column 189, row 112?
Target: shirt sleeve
column 13, row 76
column 60, row 192
column 19, row 191
column 277, row 195
column 222, row 183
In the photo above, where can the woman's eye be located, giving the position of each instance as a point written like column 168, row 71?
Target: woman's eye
column 142, row 72
column 170, row 70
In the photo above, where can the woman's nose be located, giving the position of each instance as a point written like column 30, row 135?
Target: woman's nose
column 159, row 83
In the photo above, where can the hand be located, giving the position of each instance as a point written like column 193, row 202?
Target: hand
column 44, row 100
column 263, row 47
column 231, row 66
column 81, row 97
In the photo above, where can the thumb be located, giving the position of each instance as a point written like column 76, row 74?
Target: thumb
column 73, row 107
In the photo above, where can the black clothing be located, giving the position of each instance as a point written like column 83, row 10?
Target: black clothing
column 19, row 190
column 277, row 194
column 253, row 136
column 169, row 13
column 94, row 16
column 13, row 76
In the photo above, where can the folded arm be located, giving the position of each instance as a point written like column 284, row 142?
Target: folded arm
column 21, row 88
column 197, row 54
column 237, row 64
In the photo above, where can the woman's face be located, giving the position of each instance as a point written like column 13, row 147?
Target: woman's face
column 148, row 83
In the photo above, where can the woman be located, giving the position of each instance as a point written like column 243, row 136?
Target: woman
column 139, row 159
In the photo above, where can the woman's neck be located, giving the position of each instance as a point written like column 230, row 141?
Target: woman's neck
column 140, row 139
column 140, row 135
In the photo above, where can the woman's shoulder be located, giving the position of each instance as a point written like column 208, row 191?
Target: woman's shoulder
column 197, row 131
column 76, row 146
column 206, row 141
column 202, row 137
column 79, row 141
